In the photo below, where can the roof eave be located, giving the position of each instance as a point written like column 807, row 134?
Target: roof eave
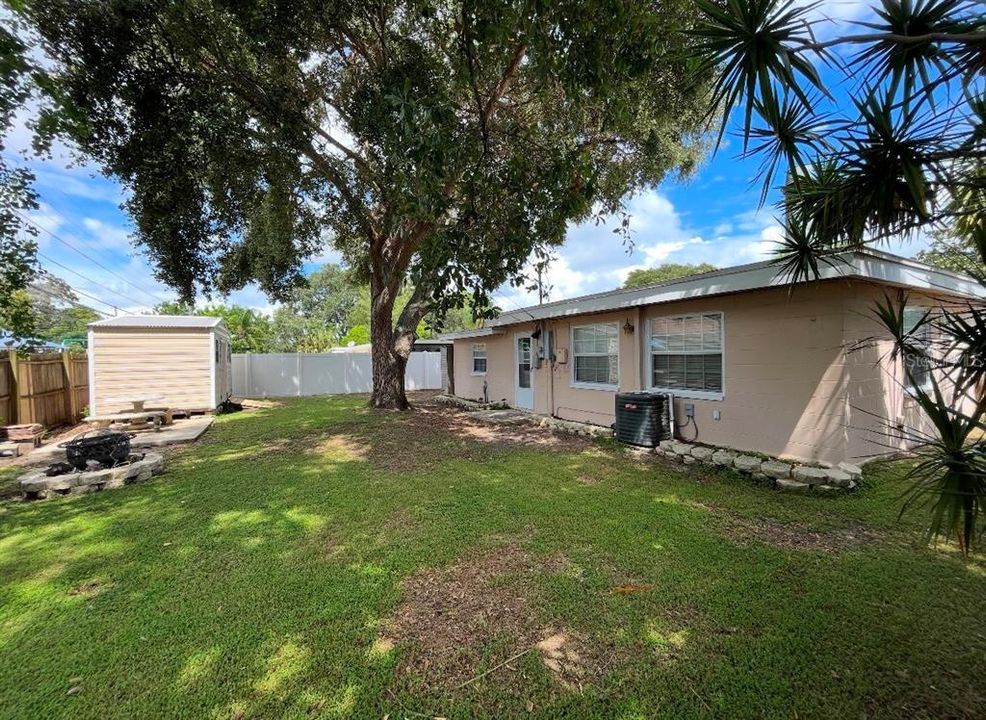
column 873, row 266
column 468, row 334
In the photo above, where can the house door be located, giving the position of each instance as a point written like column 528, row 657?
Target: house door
column 523, row 377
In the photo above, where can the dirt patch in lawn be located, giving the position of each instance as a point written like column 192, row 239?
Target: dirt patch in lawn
column 258, row 404
column 434, row 418
column 520, row 434
column 475, row 621
column 429, row 434
column 790, row 536
column 90, row 588
column 343, row 447
column 797, row 537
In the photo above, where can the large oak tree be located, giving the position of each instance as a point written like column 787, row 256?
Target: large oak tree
column 436, row 144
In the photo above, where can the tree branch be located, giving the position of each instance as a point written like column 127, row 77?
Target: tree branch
column 505, row 80
column 412, row 313
column 255, row 94
column 969, row 37
column 357, row 44
column 332, row 174
column 357, row 159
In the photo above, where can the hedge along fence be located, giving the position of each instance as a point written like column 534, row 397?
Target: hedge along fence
column 47, row 388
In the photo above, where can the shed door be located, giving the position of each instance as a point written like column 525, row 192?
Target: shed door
column 224, row 378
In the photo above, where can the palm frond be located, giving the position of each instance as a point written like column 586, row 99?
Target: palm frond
column 790, row 131
column 826, row 198
column 951, row 470
column 964, row 333
column 749, row 44
column 907, row 64
column 800, row 256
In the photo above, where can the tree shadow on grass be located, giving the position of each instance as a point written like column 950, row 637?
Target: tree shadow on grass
column 255, row 577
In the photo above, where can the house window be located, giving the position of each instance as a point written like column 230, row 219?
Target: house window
column 686, row 354
column 595, row 352
column 917, row 371
column 479, row 359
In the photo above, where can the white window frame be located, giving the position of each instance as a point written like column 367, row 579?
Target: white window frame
column 609, row 387
column 486, row 357
column 909, row 389
column 679, row 393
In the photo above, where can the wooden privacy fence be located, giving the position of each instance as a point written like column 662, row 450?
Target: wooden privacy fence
column 47, row 388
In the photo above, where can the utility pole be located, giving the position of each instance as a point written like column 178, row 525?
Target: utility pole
column 541, row 284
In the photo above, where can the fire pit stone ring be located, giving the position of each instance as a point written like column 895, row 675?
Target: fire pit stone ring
column 38, row 485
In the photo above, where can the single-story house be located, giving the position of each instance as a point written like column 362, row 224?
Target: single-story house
column 753, row 363
column 182, row 359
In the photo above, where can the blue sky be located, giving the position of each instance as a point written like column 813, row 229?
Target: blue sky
column 712, row 217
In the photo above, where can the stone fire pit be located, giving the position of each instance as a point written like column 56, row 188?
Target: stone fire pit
column 37, row 485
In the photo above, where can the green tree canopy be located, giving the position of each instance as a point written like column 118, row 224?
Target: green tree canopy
column 436, row 144
column 663, row 273
column 950, row 252
column 18, row 250
column 58, row 315
column 316, row 314
column 249, row 330
column 357, row 335
column 332, row 309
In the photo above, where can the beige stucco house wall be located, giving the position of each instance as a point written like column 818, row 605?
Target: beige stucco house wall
column 184, row 360
column 798, row 381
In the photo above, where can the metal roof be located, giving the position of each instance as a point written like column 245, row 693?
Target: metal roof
column 159, row 321
column 464, row 334
column 869, row 265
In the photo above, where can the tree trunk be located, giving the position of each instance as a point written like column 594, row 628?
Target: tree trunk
column 388, row 362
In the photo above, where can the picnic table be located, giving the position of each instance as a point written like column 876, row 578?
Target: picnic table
column 137, row 401
column 139, row 415
column 136, row 420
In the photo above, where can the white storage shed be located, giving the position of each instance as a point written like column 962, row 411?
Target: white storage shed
column 177, row 361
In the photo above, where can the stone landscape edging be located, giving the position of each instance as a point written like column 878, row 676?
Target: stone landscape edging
column 773, row 472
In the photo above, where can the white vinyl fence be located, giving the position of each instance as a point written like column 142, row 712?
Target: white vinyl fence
column 285, row 374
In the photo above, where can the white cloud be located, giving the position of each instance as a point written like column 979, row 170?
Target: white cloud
column 659, row 252
column 48, row 219
column 763, row 248
column 593, row 259
column 562, row 279
column 105, row 235
column 85, row 185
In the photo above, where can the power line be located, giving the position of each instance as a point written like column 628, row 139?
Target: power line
column 34, row 288
column 91, row 297
column 90, row 280
column 517, row 307
column 88, row 257
column 75, row 290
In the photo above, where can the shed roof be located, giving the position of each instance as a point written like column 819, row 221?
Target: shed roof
column 159, row 321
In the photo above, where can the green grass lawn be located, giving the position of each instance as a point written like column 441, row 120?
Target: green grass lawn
column 322, row 560
column 8, row 482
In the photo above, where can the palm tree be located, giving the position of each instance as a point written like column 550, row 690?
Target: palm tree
column 906, row 154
